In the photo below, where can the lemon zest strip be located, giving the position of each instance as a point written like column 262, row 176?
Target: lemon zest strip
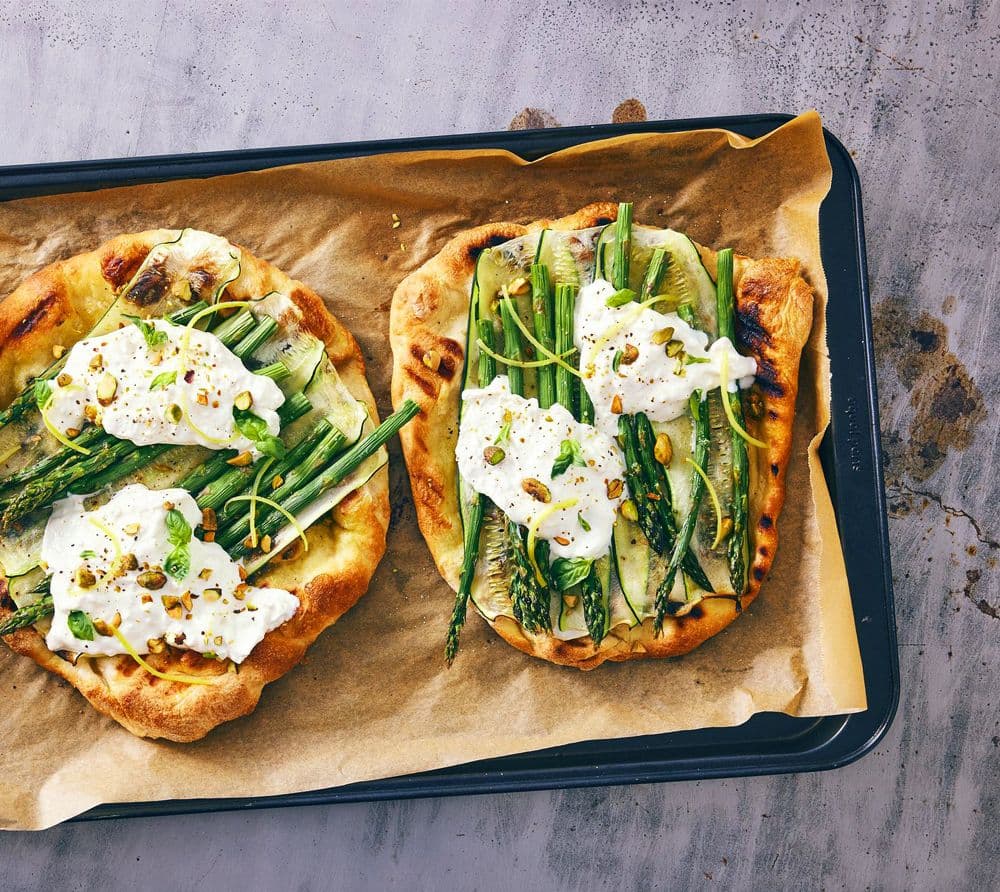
column 166, row 676
column 538, row 345
column 283, row 511
column 713, row 496
column 724, row 389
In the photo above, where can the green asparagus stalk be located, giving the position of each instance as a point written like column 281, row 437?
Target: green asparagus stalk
column 565, row 304
column 29, row 614
column 738, row 546
column 234, row 481
column 262, row 331
column 536, row 595
column 511, row 347
column 235, row 530
column 487, row 370
column 649, row 520
column 43, row 491
column 623, row 246
column 232, row 330
column 654, row 273
column 595, row 612
column 335, row 473
column 542, row 316
column 655, row 478
column 699, row 414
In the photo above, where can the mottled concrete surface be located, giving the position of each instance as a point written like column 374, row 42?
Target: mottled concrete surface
column 912, row 90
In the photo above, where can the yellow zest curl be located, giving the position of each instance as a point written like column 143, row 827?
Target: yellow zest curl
column 635, row 311
column 282, row 511
column 520, row 363
column 713, row 496
column 724, row 388
column 166, row 676
column 538, row 345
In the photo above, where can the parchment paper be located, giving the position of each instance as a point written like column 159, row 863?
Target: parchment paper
column 373, row 698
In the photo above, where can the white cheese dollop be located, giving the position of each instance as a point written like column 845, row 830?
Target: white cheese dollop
column 532, row 442
column 654, row 382
column 133, row 522
column 197, row 379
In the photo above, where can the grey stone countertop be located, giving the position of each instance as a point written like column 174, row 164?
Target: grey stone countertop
column 912, row 90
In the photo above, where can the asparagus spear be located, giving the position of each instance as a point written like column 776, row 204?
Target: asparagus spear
column 655, row 479
column 623, row 246
column 542, row 315
column 25, row 401
column 511, row 347
column 565, row 304
column 649, row 520
column 335, row 473
column 232, row 481
column 235, row 530
column 702, row 434
column 487, row 371
column 536, row 595
column 256, row 337
column 29, row 614
column 738, row 547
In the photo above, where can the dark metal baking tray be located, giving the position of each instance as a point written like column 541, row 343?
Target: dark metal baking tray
column 768, row 743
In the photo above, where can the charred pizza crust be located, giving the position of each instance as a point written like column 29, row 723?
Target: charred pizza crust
column 58, row 305
column 430, row 312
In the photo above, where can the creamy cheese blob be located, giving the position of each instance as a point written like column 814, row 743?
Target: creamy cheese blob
column 519, row 478
column 179, row 391
column 647, row 378
column 210, row 610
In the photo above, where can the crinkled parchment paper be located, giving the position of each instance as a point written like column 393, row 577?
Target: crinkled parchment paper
column 373, row 698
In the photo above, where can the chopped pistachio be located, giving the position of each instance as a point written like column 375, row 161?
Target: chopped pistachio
column 64, row 380
column 243, row 460
column 84, row 578
column 106, row 389
column 630, row 354
column 58, row 350
column 616, row 404
column 536, row 489
column 663, row 449
column 494, row 455
column 629, row 511
column 152, row 579
column 615, row 488
column 675, row 348
column 663, row 335
column 243, row 400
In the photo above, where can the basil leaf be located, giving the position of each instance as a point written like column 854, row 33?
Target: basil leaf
column 178, row 562
column 567, row 572
column 620, row 298
column 178, row 529
column 569, row 454
column 150, row 333
column 43, row 393
column 254, row 428
column 81, row 625
column 164, row 379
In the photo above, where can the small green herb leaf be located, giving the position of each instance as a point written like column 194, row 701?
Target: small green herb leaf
column 178, row 562
column 695, row 360
column 567, row 572
column 569, row 454
column 81, row 625
column 504, row 434
column 617, row 361
column 620, row 298
column 151, row 334
column 43, row 393
column 254, row 428
column 164, row 379
column 582, row 521
column 88, row 553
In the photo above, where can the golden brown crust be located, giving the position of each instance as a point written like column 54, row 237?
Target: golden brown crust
column 429, row 311
column 58, row 305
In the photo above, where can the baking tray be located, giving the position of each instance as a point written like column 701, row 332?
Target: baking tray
column 769, row 743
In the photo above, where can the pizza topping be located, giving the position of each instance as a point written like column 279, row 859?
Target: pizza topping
column 656, row 381
column 193, row 610
column 205, row 399
column 555, row 471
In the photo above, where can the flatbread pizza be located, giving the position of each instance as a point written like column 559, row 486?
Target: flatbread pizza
column 192, row 476
column 606, row 421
